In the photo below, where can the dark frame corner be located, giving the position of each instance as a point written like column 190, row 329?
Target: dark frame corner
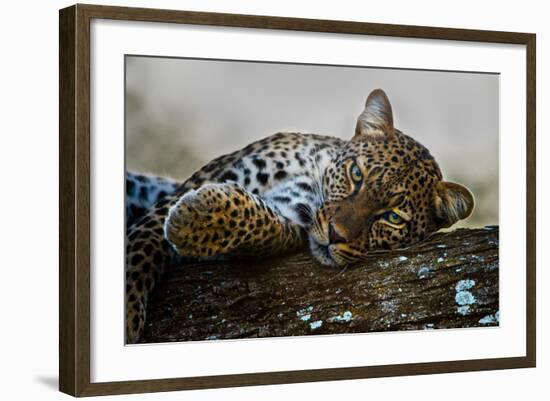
column 74, row 198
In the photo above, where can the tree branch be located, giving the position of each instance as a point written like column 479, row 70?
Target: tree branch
column 448, row 281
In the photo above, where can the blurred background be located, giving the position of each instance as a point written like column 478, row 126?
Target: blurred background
column 181, row 113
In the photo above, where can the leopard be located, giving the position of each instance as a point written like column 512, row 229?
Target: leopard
column 343, row 200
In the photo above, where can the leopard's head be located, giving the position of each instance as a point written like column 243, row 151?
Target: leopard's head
column 382, row 191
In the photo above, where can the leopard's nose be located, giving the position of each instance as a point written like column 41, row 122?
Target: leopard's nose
column 333, row 235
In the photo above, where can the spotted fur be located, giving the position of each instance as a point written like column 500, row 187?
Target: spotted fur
column 380, row 190
column 143, row 191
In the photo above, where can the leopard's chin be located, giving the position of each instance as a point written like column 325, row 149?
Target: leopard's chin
column 325, row 254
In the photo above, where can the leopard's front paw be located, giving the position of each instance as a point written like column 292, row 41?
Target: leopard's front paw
column 210, row 220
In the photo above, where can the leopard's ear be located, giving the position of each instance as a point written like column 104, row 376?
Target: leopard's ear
column 376, row 120
column 453, row 202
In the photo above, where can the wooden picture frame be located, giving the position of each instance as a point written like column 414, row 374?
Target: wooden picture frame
column 75, row 206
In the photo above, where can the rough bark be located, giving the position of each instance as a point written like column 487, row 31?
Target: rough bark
column 448, row 281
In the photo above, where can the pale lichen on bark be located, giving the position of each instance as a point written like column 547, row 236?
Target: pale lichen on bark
column 448, row 281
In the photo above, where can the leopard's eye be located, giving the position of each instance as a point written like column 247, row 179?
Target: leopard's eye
column 355, row 172
column 394, row 218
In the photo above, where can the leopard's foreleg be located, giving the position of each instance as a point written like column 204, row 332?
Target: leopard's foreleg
column 227, row 220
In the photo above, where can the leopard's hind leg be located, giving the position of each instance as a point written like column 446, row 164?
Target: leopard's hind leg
column 147, row 254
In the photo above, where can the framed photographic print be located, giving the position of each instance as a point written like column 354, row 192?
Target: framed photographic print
column 251, row 200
